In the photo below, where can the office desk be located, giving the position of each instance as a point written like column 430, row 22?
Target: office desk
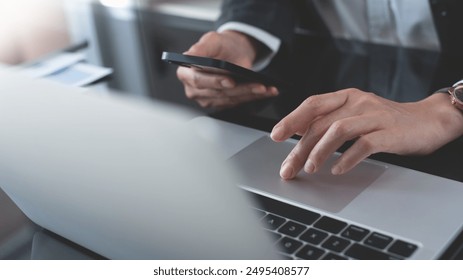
column 318, row 65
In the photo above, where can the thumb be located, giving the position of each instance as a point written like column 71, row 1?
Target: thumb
column 199, row 49
column 209, row 45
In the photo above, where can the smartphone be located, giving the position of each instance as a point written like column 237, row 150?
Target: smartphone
column 216, row 66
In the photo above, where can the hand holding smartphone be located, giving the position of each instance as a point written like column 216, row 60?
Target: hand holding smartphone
column 216, row 66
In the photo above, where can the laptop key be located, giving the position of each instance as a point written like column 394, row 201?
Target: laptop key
column 402, row 248
column 272, row 222
column 292, row 229
column 336, row 244
column 309, row 252
column 289, row 245
column 378, row 240
column 361, row 252
column 330, row 225
column 313, row 236
column 297, row 214
column 355, row 233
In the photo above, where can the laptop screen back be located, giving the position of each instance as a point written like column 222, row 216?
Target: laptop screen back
column 125, row 179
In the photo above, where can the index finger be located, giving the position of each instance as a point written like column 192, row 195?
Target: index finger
column 301, row 118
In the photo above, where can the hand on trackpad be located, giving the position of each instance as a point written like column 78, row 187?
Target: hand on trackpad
column 260, row 163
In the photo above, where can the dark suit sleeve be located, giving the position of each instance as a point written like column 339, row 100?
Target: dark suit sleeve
column 448, row 21
column 277, row 17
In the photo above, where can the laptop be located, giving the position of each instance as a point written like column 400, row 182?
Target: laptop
column 128, row 179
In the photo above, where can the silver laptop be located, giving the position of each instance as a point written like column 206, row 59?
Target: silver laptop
column 132, row 180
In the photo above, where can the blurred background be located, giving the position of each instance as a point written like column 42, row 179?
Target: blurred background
column 30, row 29
column 127, row 36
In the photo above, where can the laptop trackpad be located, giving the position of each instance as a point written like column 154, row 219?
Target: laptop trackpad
column 260, row 163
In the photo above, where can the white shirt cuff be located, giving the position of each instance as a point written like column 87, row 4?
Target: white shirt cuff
column 272, row 42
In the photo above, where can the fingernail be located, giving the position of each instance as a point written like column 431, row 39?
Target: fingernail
column 275, row 92
column 309, row 167
column 286, row 171
column 336, row 170
column 277, row 133
column 226, row 83
column 259, row 89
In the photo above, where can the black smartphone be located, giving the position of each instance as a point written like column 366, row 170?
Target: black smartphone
column 211, row 65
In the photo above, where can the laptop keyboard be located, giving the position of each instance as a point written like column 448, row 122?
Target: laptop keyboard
column 304, row 234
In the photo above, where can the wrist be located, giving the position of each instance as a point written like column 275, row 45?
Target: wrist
column 449, row 117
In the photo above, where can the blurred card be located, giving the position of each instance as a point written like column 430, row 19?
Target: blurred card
column 53, row 64
column 80, row 74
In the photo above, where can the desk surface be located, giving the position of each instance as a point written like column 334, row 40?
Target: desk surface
column 318, row 65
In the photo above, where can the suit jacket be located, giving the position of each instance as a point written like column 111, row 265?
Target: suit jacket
column 281, row 17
